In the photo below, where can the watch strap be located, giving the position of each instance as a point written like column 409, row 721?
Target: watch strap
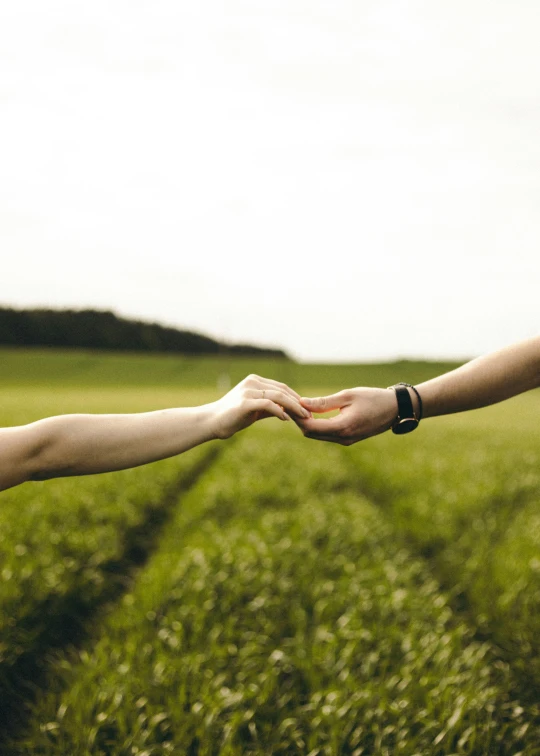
column 420, row 404
column 406, row 420
column 405, row 405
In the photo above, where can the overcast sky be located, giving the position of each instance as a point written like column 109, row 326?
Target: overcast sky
column 348, row 179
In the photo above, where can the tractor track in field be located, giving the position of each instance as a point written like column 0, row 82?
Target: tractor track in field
column 526, row 681
column 65, row 623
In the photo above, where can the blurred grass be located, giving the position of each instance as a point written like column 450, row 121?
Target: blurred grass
column 36, row 383
column 282, row 615
column 74, row 368
column 406, row 568
column 465, row 491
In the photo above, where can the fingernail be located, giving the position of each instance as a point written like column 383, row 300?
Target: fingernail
column 306, row 413
column 285, row 416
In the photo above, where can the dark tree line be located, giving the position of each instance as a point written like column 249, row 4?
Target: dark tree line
column 97, row 329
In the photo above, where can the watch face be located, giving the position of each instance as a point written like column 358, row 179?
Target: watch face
column 406, row 425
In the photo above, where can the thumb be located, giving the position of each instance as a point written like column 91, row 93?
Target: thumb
column 324, row 403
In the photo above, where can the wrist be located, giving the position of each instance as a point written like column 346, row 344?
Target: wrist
column 209, row 418
column 408, row 408
column 417, row 407
column 416, row 401
column 390, row 407
column 426, row 392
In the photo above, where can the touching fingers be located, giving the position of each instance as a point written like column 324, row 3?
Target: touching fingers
column 326, row 403
column 280, row 398
column 267, row 407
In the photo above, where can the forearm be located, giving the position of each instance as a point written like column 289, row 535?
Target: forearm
column 85, row 444
column 483, row 381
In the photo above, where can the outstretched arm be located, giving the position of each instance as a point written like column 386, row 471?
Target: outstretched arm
column 485, row 380
column 83, row 444
column 366, row 412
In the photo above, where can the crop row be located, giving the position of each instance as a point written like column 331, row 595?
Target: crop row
column 282, row 614
column 465, row 492
column 66, row 548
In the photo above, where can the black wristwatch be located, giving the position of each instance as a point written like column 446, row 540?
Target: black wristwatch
column 406, row 420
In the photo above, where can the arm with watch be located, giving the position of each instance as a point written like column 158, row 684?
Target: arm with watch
column 365, row 412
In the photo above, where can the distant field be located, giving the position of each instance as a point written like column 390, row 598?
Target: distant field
column 270, row 594
column 80, row 368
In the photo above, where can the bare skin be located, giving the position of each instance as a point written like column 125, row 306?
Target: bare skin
column 366, row 412
column 68, row 445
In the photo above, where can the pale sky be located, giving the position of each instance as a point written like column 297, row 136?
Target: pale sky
column 351, row 180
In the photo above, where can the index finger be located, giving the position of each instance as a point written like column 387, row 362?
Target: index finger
column 323, row 426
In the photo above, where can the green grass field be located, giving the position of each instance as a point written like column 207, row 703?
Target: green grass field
column 270, row 594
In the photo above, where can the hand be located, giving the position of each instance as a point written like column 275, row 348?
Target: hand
column 253, row 399
column 363, row 412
